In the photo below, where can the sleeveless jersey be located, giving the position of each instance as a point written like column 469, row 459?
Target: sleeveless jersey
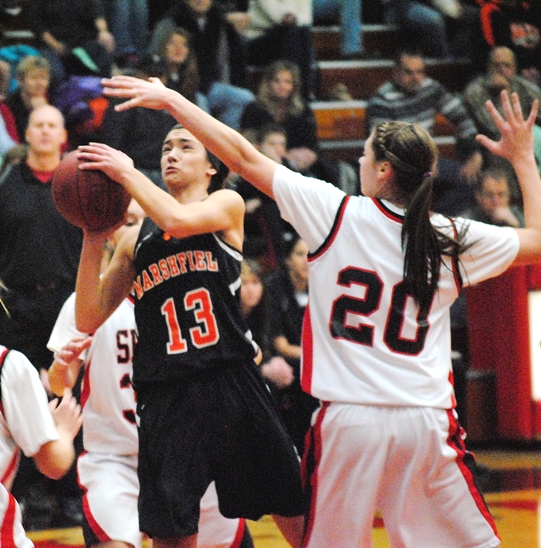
column 363, row 338
column 187, row 306
column 107, row 397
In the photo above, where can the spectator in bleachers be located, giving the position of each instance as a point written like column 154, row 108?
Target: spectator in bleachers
column 282, row 30
column 493, row 200
column 349, row 15
column 6, row 142
column 288, row 297
column 501, row 74
column 263, row 226
column 182, row 69
column 414, row 97
column 140, row 132
column 33, row 76
column 73, row 36
column 517, row 25
column 279, row 100
column 442, row 28
column 128, row 21
column 5, row 77
column 39, row 255
column 220, row 51
column 493, row 205
column 254, row 307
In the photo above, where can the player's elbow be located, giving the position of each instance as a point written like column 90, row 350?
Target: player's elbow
column 55, row 458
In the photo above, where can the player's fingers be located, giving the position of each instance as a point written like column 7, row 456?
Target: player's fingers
column 533, row 113
column 128, row 104
column 506, row 105
column 67, row 394
column 496, row 116
column 489, row 144
column 517, row 108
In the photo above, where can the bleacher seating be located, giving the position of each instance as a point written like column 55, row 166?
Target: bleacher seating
column 341, row 124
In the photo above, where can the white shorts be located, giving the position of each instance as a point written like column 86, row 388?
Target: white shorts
column 110, row 504
column 410, row 463
column 11, row 522
column 111, row 489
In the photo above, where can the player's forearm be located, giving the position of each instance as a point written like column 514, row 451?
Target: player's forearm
column 226, row 143
column 61, row 377
column 88, row 302
column 55, row 458
column 530, row 185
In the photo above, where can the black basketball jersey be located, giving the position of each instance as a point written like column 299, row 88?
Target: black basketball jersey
column 187, row 305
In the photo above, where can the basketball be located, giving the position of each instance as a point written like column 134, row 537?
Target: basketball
column 87, row 199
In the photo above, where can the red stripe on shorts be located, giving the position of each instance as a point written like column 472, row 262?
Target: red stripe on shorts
column 456, row 441
column 313, row 451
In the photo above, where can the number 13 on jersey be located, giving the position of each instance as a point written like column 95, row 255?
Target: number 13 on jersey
column 204, row 334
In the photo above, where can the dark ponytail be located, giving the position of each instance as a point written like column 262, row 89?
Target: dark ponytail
column 413, row 154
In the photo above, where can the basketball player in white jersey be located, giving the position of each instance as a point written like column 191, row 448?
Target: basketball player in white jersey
column 107, row 470
column 42, row 430
column 376, row 344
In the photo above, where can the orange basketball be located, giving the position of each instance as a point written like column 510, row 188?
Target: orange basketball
column 88, row 198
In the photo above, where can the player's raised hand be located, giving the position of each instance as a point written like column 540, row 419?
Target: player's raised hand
column 149, row 93
column 72, row 350
column 516, row 140
column 66, row 365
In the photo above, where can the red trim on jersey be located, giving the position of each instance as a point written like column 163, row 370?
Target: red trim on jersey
column 455, row 440
column 12, row 467
column 387, row 212
column 240, row 534
column 312, row 455
column 333, row 232
column 7, row 538
column 307, row 351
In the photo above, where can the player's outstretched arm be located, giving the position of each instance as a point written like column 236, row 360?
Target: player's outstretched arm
column 66, row 365
column 226, row 143
column 516, row 145
column 97, row 296
column 55, row 458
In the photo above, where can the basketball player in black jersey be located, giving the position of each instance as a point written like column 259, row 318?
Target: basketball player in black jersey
column 205, row 413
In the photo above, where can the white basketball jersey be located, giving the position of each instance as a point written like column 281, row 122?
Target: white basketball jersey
column 107, row 395
column 13, row 535
column 25, row 419
column 363, row 339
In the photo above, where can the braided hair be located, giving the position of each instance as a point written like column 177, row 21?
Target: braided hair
column 412, row 154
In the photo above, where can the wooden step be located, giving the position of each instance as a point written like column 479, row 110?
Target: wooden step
column 346, row 120
column 381, row 38
column 363, row 78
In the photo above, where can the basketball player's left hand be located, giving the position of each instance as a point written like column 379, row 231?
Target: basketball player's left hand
column 150, row 93
column 114, row 163
column 516, row 141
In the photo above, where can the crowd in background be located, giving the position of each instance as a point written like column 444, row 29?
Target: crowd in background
column 207, row 50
